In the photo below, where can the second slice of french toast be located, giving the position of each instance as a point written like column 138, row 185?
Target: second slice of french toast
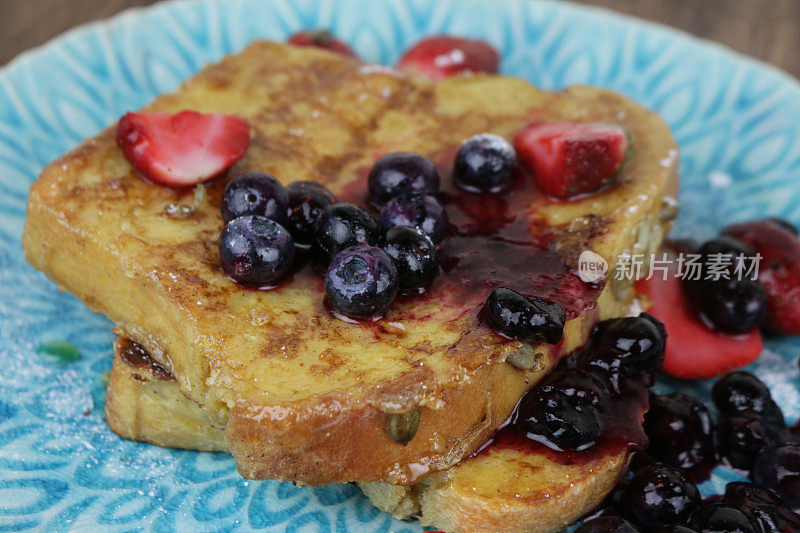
column 299, row 394
column 502, row 489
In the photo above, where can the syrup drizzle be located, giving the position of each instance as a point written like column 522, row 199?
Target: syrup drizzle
column 495, row 241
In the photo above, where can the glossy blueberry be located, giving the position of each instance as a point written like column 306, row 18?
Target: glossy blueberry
column 763, row 506
column 784, row 224
column 727, row 249
column 576, row 383
column 743, row 494
column 720, row 518
column 307, row 199
column 640, row 341
column 255, row 251
column 607, row 524
column 741, row 391
column 415, row 257
column 680, row 431
column 340, row 226
column 610, row 364
column 659, row 496
column 778, row 468
column 560, row 416
column 401, row 173
column 530, row 319
column 420, row 211
column 731, row 306
column 741, row 437
column 485, row 163
column 255, row 193
column 361, row 282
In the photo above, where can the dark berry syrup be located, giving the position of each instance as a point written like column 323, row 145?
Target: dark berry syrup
column 621, row 418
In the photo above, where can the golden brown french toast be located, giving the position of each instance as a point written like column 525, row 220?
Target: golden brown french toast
column 300, row 394
column 502, row 489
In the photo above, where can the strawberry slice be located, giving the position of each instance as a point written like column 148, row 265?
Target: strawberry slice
column 321, row 39
column 441, row 56
column 570, row 158
column 778, row 272
column 183, row 149
column 693, row 350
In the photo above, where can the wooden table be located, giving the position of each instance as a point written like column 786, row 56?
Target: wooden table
column 766, row 29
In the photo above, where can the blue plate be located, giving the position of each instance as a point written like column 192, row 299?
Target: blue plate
column 737, row 122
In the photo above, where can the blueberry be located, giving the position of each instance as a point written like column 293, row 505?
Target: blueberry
column 731, row 306
column 255, row 193
column 607, row 524
column 729, row 249
column 743, row 494
column 741, row 437
column 255, row 251
column 401, row 173
column 675, row 529
column 361, row 282
column 340, row 226
column 763, row 506
column 784, row 224
column 730, row 254
column 659, row 496
column 576, row 383
column 610, row 364
column 719, row 518
column 680, row 431
column 530, row 319
column 415, row 257
column 778, row 468
column 640, row 341
column 485, row 163
column 416, row 210
column 307, row 199
column 559, row 421
column 741, row 391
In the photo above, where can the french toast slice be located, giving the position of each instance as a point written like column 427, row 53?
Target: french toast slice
column 300, row 394
column 502, row 489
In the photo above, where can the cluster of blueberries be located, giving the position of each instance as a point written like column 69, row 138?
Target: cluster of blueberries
column 367, row 260
column 750, row 435
column 569, row 410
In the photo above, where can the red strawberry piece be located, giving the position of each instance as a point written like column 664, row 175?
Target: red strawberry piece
column 571, row 158
column 321, row 39
column 694, row 351
column 778, row 272
column 183, row 149
column 441, row 56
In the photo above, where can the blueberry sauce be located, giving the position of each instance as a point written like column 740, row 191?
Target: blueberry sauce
column 495, row 240
column 621, row 418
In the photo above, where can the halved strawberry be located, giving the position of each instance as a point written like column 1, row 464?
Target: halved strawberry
column 183, row 149
column 693, row 350
column 570, row 158
column 441, row 56
column 778, row 272
column 321, row 39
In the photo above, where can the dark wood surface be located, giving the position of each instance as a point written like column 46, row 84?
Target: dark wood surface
column 766, row 29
